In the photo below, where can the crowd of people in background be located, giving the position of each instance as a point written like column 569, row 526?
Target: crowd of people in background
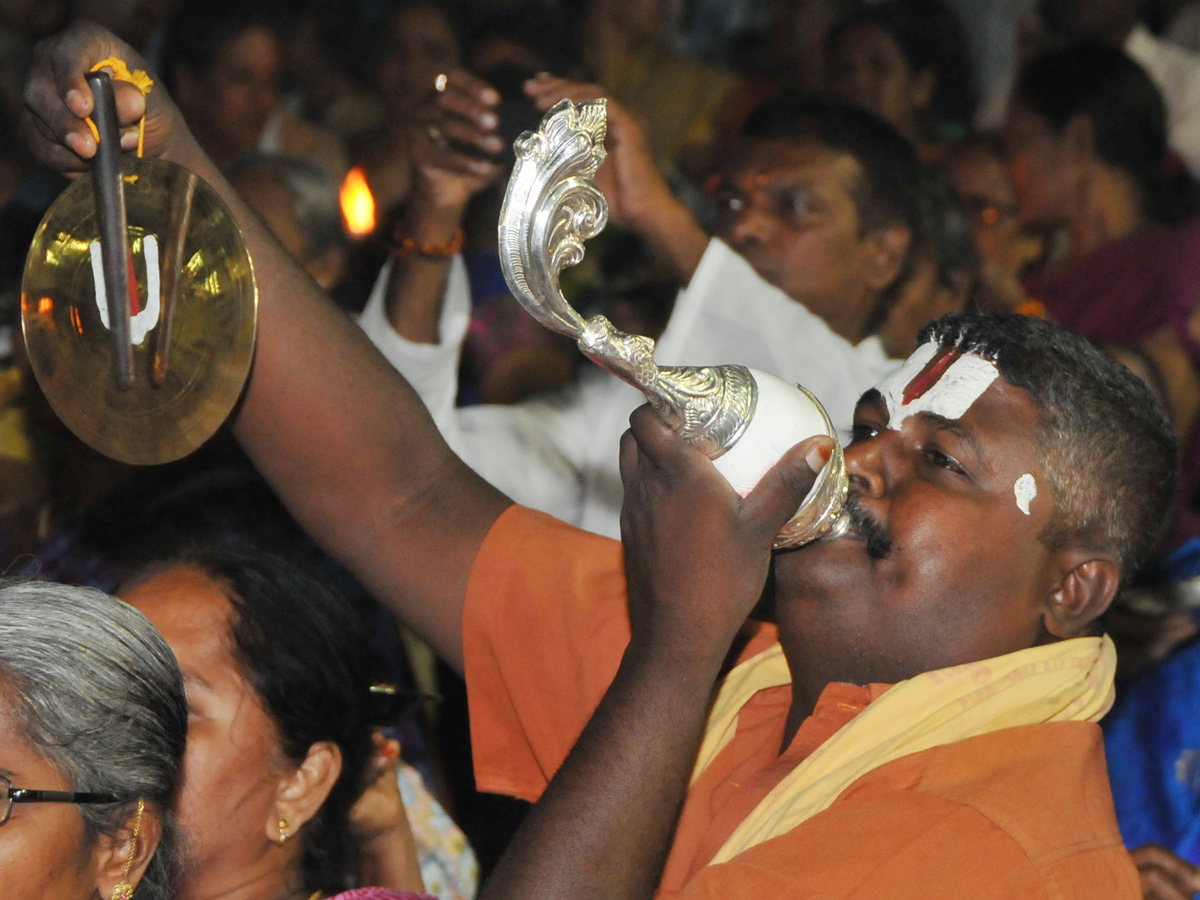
column 800, row 186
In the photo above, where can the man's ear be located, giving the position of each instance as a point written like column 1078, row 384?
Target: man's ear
column 301, row 791
column 885, row 260
column 113, row 854
column 1087, row 588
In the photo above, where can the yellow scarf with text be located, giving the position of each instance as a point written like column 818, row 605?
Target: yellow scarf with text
column 1067, row 681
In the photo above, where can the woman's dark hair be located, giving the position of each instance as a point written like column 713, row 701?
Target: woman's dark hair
column 931, row 37
column 307, row 655
column 1128, row 117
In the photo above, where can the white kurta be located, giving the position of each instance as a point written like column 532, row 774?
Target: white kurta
column 558, row 452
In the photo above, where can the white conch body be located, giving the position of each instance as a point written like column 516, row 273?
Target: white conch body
column 742, row 419
column 783, row 417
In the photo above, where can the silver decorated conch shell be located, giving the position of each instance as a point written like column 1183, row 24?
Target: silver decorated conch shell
column 743, row 419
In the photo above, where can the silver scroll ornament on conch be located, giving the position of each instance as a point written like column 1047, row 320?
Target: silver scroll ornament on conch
column 742, row 419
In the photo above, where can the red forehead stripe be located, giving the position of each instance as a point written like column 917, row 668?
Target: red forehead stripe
column 929, row 376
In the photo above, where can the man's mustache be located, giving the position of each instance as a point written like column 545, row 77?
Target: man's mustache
column 873, row 535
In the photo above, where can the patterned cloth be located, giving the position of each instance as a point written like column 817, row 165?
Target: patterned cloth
column 448, row 864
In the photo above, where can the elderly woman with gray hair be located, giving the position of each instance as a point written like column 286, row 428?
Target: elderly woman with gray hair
column 93, row 722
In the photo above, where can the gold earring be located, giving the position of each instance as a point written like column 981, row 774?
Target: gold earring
column 283, row 831
column 123, row 890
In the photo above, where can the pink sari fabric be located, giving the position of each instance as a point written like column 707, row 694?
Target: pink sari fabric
column 378, row 893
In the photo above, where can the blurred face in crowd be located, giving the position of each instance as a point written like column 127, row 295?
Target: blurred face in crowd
column 422, row 46
column 231, row 768
column 868, row 66
column 228, row 106
column 985, row 188
column 790, row 208
column 1045, row 169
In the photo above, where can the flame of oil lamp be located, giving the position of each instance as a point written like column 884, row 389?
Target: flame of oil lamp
column 358, row 206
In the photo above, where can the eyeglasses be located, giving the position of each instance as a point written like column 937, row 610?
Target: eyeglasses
column 10, row 795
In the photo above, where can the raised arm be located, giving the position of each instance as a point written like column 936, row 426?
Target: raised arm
column 696, row 559
column 460, row 114
column 336, row 431
column 638, row 195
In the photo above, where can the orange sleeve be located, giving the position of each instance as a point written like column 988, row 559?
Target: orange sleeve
column 545, row 623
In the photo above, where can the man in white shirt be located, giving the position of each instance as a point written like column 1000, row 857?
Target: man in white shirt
column 819, row 205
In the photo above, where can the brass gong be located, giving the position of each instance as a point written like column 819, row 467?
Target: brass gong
column 193, row 309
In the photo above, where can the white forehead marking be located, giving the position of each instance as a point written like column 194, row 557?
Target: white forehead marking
column 950, row 396
column 1025, row 490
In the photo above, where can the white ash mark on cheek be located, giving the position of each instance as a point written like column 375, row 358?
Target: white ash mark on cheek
column 1025, row 490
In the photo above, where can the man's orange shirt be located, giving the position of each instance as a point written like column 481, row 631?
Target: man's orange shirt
column 1023, row 812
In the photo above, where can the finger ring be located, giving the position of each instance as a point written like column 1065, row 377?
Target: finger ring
column 439, row 83
column 435, row 133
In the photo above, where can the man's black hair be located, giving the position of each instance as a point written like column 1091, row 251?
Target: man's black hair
column 1107, row 446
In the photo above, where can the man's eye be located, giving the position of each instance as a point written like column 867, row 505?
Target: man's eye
column 862, row 432
column 730, row 203
column 797, row 207
column 942, row 461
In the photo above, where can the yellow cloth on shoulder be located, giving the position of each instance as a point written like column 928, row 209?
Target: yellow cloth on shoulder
column 1067, row 681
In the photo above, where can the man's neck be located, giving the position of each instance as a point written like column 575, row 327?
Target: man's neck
column 809, row 680
column 850, row 319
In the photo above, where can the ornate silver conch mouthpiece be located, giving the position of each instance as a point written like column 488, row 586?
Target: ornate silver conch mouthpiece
column 743, row 419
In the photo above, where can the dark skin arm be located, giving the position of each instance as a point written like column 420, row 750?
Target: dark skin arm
column 604, row 825
column 337, row 432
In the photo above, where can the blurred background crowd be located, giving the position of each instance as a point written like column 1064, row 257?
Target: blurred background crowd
column 878, row 164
